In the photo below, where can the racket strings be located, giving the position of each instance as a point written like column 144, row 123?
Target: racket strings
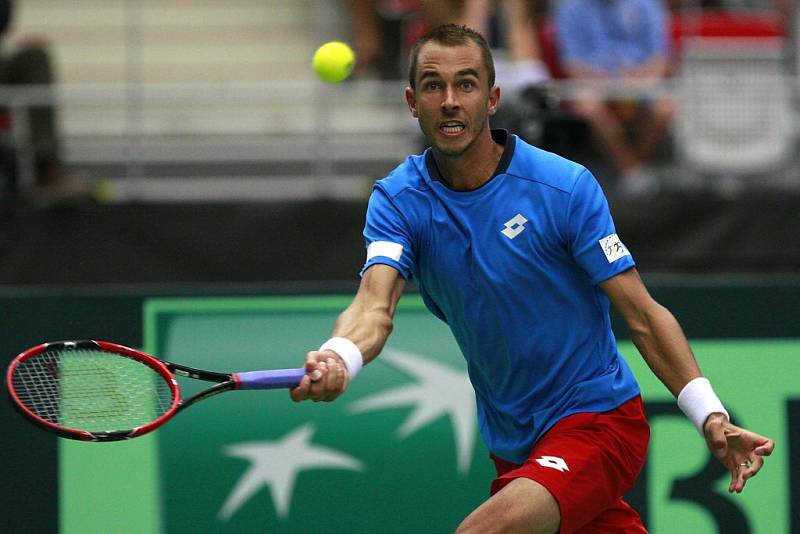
column 91, row 390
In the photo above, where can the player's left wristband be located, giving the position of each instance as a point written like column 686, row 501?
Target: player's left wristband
column 697, row 400
column 348, row 352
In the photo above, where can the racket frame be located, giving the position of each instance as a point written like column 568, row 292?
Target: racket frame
column 281, row 378
column 160, row 367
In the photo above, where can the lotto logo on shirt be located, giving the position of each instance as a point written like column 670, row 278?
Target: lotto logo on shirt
column 613, row 248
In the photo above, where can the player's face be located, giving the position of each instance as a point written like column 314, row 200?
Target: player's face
column 452, row 99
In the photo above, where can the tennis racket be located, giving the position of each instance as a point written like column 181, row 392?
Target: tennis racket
column 101, row 391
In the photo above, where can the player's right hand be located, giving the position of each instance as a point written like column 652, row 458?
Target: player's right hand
column 326, row 378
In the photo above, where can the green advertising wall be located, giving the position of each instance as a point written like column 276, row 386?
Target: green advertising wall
column 400, row 451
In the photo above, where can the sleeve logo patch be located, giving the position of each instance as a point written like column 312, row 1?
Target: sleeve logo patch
column 385, row 248
column 613, row 248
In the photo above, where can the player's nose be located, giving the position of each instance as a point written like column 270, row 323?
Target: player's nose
column 449, row 99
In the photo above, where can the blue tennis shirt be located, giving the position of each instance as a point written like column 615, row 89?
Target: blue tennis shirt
column 512, row 267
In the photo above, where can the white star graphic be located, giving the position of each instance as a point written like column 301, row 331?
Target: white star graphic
column 439, row 390
column 276, row 464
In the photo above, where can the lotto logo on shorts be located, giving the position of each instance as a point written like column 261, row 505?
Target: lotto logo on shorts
column 613, row 248
column 553, row 462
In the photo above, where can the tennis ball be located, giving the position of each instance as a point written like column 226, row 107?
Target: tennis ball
column 104, row 192
column 333, row 61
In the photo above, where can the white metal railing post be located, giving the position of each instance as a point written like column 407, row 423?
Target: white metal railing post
column 23, row 145
column 324, row 25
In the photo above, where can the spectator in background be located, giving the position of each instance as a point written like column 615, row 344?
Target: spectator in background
column 384, row 29
column 29, row 64
column 619, row 41
column 787, row 9
column 515, row 41
column 783, row 7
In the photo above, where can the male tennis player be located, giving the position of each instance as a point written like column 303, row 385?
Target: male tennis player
column 515, row 249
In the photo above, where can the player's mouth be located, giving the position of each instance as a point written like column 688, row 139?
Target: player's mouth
column 451, row 128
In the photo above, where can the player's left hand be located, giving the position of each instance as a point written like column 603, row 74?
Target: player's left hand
column 740, row 450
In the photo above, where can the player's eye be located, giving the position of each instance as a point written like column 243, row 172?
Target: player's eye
column 431, row 86
column 467, row 85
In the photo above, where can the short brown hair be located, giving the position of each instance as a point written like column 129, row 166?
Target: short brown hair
column 451, row 35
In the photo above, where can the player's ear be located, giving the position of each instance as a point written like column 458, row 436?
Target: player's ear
column 411, row 100
column 494, row 99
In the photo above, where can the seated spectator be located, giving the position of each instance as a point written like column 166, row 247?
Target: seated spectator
column 29, row 64
column 618, row 41
column 381, row 28
column 380, row 35
column 383, row 31
column 510, row 27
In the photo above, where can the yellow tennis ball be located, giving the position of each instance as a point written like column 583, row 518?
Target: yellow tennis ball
column 333, row 61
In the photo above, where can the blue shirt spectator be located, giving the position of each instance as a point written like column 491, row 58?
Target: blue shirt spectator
column 611, row 35
column 624, row 41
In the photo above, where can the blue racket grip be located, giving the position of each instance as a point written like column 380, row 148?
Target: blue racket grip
column 273, row 379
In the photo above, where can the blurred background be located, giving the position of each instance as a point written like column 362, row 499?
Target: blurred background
column 185, row 150
column 202, row 126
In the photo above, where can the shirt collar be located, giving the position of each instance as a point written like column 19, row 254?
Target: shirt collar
column 499, row 136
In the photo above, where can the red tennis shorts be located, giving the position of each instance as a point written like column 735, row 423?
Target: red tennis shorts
column 588, row 461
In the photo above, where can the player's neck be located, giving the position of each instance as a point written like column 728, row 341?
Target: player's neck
column 472, row 168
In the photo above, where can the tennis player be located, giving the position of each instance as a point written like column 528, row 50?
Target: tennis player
column 515, row 249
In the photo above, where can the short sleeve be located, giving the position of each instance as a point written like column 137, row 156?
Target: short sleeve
column 387, row 235
column 593, row 239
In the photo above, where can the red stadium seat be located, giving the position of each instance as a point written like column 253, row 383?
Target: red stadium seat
column 749, row 24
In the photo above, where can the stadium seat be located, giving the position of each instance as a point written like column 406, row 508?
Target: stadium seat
column 736, row 115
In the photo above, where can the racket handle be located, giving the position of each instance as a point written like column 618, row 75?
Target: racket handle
column 273, row 379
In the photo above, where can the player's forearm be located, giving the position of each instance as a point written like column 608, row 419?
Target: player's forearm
column 367, row 327
column 361, row 330
column 663, row 345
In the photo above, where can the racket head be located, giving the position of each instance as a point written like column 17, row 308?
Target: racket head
column 92, row 390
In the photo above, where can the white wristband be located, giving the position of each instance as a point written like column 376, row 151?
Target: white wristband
column 348, row 352
column 698, row 400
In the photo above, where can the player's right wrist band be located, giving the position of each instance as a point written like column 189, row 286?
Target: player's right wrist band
column 348, row 352
column 697, row 400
